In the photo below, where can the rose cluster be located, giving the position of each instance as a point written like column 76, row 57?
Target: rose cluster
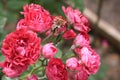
column 24, row 47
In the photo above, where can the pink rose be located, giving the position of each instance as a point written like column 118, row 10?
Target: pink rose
column 72, row 63
column 22, row 44
column 36, row 18
column 70, row 34
column 14, row 70
column 81, row 75
column 49, row 50
column 75, row 17
column 32, row 77
column 56, row 70
column 77, row 51
column 82, row 39
column 89, row 58
column 22, row 24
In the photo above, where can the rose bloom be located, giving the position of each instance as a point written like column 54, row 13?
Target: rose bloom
column 70, row 34
column 12, row 69
column 72, row 63
column 32, row 77
column 82, row 39
column 81, row 75
column 49, row 50
column 56, row 70
column 90, row 59
column 76, row 18
column 36, row 18
column 23, row 44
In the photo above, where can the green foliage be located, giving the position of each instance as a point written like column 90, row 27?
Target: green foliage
column 1, row 74
column 58, row 54
column 11, row 8
column 54, row 6
column 2, row 24
column 7, row 78
column 2, row 21
column 1, row 58
column 2, row 34
column 44, row 79
column 79, row 4
column 15, row 4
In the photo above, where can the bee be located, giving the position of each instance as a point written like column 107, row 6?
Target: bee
column 58, row 22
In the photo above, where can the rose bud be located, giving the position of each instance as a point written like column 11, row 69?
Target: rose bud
column 49, row 50
column 70, row 34
column 82, row 39
column 72, row 63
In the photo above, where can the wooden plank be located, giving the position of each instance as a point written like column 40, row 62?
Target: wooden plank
column 104, row 28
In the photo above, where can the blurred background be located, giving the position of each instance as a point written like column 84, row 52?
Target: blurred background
column 104, row 17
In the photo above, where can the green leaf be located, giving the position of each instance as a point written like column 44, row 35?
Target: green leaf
column 2, row 35
column 12, row 16
column 2, row 21
column 1, row 73
column 1, row 58
column 67, row 56
column 44, row 79
column 15, row 4
column 23, row 75
column 48, row 4
column 54, row 6
column 71, row 54
column 58, row 54
column 2, row 24
column 7, row 78
column 58, row 7
column 79, row 4
column 1, row 7
column 91, row 77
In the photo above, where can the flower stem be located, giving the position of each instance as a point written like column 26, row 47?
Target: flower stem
column 42, row 77
column 47, row 37
column 71, row 48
